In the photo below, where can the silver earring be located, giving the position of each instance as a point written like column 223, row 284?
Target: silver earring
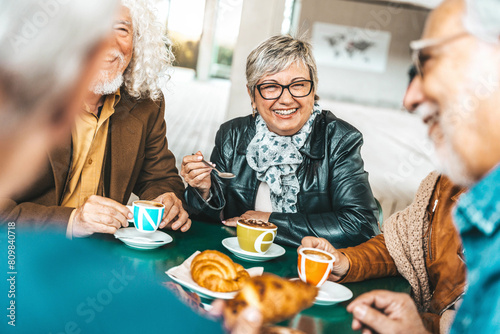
column 254, row 111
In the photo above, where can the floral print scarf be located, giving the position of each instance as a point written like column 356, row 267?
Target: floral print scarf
column 276, row 158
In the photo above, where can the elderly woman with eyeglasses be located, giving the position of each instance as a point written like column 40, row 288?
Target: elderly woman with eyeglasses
column 296, row 165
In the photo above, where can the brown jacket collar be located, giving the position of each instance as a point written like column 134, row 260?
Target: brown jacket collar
column 124, row 136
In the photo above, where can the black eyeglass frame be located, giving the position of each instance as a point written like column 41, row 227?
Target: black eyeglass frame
column 283, row 89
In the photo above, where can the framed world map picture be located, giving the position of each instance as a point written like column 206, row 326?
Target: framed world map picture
column 350, row 47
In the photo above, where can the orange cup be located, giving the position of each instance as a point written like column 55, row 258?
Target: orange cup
column 314, row 265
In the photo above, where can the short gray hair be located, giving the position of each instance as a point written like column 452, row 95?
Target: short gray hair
column 482, row 19
column 276, row 54
column 43, row 46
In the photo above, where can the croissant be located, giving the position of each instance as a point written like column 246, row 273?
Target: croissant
column 217, row 272
column 276, row 298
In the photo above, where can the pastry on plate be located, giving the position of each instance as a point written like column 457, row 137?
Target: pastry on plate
column 216, row 271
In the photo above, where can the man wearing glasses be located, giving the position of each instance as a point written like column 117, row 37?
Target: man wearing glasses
column 457, row 93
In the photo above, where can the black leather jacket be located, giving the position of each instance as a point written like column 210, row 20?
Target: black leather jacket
column 335, row 201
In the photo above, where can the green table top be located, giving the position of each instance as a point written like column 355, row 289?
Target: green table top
column 202, row 236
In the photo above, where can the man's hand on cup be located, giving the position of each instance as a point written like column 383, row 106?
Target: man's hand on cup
column 196, row 173
column 174, row 217
column 259, row 215
column 100, row 215
column 382, row 311
column 341, row 265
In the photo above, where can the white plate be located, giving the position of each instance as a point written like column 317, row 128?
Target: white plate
column 331, row 293
column 135, row 239
column 232, row 245
column 207, row 307
column 140, row 246
column 201, row 291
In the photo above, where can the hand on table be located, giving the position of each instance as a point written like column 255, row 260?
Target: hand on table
column 175, row 216
column 381, row 311
column 341, row 265
column 191, row 299
column 100, row 215
column 248, row 215
column 249, row 321
column 196, row 173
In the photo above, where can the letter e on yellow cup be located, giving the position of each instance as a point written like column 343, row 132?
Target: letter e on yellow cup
column 255, row 236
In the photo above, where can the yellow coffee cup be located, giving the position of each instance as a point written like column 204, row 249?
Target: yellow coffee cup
column 255, row 236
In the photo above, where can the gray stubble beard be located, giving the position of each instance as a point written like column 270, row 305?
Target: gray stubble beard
column 106, row 87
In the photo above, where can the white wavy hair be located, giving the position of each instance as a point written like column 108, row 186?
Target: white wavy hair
column 147, row 71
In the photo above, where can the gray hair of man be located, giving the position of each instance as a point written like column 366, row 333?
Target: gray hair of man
column 147, row 71
column 482, row 19
column 276, row 54
column 43, row 47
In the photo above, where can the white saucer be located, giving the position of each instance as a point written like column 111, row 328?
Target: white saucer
column 331, row 293
column 135, row 239
column 201, row 291
column 232, row 245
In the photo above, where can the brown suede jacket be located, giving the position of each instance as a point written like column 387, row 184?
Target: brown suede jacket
column 137, row 160
column 443, row 255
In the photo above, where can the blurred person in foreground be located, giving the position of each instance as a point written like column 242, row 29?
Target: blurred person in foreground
column 421, row 243
column 53, row 284
column 118, row 143
column 461, row 110
column 42, row 81
column 296, row 165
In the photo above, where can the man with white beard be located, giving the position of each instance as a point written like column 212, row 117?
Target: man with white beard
column 457, row 93
column 118, row 143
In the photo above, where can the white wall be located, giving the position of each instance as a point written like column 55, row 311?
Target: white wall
column 263, row 18
column 367, row 88
column 422, row 3
column 260, row 19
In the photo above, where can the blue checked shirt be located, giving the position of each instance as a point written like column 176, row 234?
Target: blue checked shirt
column 477, row 217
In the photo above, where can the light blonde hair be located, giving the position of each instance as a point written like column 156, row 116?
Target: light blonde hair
column 276, row 54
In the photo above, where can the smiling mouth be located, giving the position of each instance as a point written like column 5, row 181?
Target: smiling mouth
column 430, row 120
column 286, row 112
column 429, row 113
